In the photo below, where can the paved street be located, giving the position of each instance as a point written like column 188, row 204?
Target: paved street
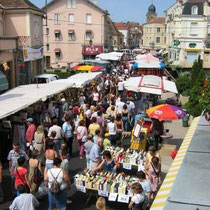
column 79, row 199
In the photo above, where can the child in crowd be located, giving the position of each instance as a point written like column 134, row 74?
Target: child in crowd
column 137, row 201
column 65, row 162
column 97, row 136
column 106, row 142
column 88, row 145
column 101, row 204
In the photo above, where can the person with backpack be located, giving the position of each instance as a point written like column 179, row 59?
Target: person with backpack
column 57, row 182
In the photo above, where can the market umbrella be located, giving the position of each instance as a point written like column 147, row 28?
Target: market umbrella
column 166, row 112
column 87, row 68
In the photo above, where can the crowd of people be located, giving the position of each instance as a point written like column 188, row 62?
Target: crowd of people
column 103, row 115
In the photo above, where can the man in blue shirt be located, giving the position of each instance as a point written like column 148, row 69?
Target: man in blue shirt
column 95, row 154
column 68, row 134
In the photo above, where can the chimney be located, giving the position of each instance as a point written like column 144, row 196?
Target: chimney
column 95, row 2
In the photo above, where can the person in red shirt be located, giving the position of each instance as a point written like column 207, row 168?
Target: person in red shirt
column 30, row 130
column 20, row 173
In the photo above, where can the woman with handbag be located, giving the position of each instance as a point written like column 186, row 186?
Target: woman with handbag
column 82, row 133
column 35, row 176
column 20, row 173
column 153, row 172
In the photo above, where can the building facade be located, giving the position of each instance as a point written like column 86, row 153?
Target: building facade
column 75, row 30
column 122, row 28
column 22, row 20
column 154, row 31
column 188, row 32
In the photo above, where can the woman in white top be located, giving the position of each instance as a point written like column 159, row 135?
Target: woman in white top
column 112, row 130
column 58, row 199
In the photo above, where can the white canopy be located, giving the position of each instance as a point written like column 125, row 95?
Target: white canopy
column 82, row 79
column 23, row 96
column 150, row 84
column 112, row 56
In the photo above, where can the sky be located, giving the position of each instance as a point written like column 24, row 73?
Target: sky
column 127, row 10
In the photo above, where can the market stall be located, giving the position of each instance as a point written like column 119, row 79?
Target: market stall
column 147, row 64
column 89, row 68
column 112, row 56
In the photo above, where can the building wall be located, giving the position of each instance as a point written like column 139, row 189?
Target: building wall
column 151, row 34
column 71, row 51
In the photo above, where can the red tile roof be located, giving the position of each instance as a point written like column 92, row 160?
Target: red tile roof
column 120, row 26
column 158, row 20
column 18, row 4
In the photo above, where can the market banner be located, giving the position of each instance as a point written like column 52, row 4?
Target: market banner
column 30, row 54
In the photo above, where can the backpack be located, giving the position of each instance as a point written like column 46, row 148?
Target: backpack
column 55, row 186
column 38, row 177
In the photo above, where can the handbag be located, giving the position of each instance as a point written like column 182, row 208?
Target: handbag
column 37, row 177
column 79, row 135
column 24, row 183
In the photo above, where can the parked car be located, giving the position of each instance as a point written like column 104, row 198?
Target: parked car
column 44, row 78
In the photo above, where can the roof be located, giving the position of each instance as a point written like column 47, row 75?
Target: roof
column 158, row 20
column 190, row 190
column 152, row 8
column 18, row 4
column 90, row 2
column 120, row 26
column 188, row 6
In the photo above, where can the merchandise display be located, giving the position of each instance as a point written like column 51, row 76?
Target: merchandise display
column 106, row 182
column 129, row 157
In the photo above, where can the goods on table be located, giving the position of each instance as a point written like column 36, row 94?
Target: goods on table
column 105, row 181
column 129, row 156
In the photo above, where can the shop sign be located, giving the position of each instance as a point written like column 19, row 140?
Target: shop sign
column 30, row 54
column 112, row 196
column 92, row 50
column 103, row 193
column 176, row 42
column 123, row 198
column 192, row 45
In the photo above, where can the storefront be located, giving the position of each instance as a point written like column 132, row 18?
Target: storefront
column 90, row 52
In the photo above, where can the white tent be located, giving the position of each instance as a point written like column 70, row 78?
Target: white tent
column 82, row 79
column 150, row 84
column 112, row 56
column 23, row 96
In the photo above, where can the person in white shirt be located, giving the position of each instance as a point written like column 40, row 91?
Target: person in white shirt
column 25, row 200
column 121, row 88
column 59, row 134
column 137, row 201
column 95, row 97
column 120, row 105
column 57, row 174
column 112, row 130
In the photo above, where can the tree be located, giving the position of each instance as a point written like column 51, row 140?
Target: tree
column 196, row 68
column 183, row 84
column 194, row 105
column 205, row 97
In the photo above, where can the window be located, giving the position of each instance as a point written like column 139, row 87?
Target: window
column 47, row 47
column 88, row 35
column 57, row 35
column 88, row 18
column 56, row 18
column 71, row 35
column 208, row 29
column 36, row 30
column 71, row 18
column 158, row 30
column 194, row 10
column 47, row 31
column 193, row 28
column 57, row 53
column 71, row 3
column 157, row 40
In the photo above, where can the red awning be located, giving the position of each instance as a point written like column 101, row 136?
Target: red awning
column 71, row 31
column 57, row 49
column 57, row 31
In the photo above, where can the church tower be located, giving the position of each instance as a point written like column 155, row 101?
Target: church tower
column 151, row 14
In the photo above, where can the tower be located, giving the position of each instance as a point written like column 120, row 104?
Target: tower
column 151, row 14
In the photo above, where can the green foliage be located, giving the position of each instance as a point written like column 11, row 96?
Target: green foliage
column 205, row 97
column 61, row 74
column 183, row 84
column 196, row 68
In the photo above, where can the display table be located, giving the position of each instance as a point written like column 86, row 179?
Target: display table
column 116, row 187
column 139, row 143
